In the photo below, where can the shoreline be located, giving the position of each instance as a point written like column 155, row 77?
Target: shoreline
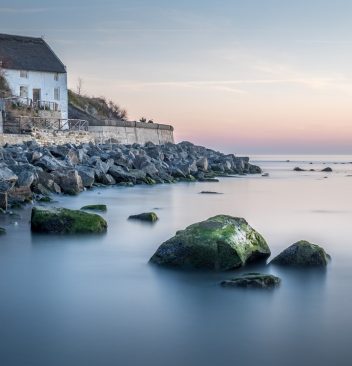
column 33, row 173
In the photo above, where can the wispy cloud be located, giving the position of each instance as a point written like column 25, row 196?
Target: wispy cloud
column 13, row 10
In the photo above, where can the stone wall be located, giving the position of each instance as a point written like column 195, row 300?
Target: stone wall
column 48, row 138
column 132, row 132
column 109, row 131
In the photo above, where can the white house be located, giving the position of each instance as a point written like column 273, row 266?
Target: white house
column 34, row 73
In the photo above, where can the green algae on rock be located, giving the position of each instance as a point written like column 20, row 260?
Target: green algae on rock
column 253, row 280
column 302, row 253
column 219, row 243
column 145, row 216
column 65, row 221
column 101, row 208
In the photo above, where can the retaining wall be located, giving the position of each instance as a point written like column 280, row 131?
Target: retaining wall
column 123, row 132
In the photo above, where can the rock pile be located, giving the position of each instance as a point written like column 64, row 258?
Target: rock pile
column 29, row 169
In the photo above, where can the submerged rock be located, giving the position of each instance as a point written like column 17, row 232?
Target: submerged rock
column 219, row 243
column 65, row 221
column 2, row 231
column 101, row 208
column 253, row 280
column 145, row 216
column 302, row 253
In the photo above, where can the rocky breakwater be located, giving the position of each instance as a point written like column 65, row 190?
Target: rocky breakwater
column 30, row 171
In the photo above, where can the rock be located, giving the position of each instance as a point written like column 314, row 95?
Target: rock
column 64, row 221
column 146, row 216
column 49, row 163
column 2, row 231
column 254, row 169
column 219, row 243
column 121, row 175
column 26, row 178
column 253, row 280
column 101, row 208
column 327, row 169
column 69, row 181
column 45, row 199
column 302, row 253
column 265, row 175
column 87, row 175
column 107, row 180
column 7, row 179
column 19, row 195
column 298, row 169
column 3, row 201
column 209, row 192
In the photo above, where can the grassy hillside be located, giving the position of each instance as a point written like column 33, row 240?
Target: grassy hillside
column 98, row 108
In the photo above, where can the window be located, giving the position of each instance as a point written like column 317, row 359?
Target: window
column 24, row 91
column 56, row 76
column 57, row 93
column 24, row 74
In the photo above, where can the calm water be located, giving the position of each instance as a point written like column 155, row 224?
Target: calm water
column 96, row 300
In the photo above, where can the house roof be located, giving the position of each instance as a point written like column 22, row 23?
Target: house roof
column 28, row 53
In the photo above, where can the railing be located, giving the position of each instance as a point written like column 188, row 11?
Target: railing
column 29, row 124
column 29, row 103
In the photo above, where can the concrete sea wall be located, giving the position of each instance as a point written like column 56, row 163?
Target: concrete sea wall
column 108, row 131
column 123, row 132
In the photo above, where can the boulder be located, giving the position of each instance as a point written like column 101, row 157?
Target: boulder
column 302, row 253
column 253, row 280
column 7, row 179
column 121, row 175
column 64, row 221
column 69, row 181
column 219, row 243
column 87, row 175
column 49, row 163
column 146, row 216
column 101, row 208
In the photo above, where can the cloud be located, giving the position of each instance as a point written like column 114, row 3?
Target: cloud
column 9, row 10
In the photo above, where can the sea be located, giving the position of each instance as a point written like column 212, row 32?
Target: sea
column 96, row 300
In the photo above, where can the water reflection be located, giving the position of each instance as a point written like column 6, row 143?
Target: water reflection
column 95, row 300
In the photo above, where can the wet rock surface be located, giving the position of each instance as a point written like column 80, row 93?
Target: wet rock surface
column 145, row 216
column 220, row 243
column 69, row 169
column 253, row 280
column 65, row 221
column 302, row 253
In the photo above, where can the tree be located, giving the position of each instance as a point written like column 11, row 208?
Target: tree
column 79, row 85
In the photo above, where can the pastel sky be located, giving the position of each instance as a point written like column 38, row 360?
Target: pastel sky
column 245, row 76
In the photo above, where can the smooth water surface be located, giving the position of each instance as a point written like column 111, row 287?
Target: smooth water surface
column 95, row 300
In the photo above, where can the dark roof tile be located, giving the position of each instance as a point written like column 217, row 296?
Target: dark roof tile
column 28, row 53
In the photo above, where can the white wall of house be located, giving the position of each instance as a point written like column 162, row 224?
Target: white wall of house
column 53, row 86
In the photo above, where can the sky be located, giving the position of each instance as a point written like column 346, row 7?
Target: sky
column 243, row 76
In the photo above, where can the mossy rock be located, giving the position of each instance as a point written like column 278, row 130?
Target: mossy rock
column 145, row 216
column 253, row 280
column 65, row 221
column 101, row 208
column 302, row 253
column 45, row 199
column 2, row 231
column 219, row 243
column 149, row 181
